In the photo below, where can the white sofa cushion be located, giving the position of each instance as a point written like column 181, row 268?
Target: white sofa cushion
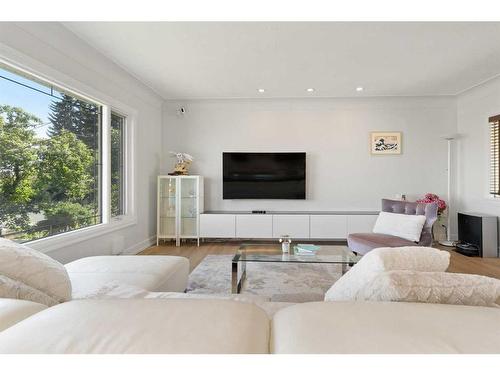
column 404, row 226
column 15, row 310
column 95, row 275
column 147, row 326
column 413, row 258
column 34, row 269
column 385, row 327
column 433, row 287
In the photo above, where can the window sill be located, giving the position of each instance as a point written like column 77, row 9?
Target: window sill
column 59, row 241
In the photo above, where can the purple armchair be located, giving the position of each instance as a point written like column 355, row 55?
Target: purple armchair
column 362, row 243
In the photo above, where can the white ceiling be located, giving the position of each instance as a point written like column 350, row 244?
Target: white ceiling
column 232, row 60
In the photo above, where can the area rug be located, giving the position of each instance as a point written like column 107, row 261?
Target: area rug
column 279, row 282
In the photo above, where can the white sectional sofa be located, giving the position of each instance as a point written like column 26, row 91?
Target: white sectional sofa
column 385, row 328
column 15, row 310
column 28, row 274
column 141, row 326
column 129, row 304
column 219, row 326
column 89, row 276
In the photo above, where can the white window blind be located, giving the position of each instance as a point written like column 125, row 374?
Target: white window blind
column 495, row 155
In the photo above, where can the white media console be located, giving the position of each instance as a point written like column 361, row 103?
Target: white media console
column 299, row 225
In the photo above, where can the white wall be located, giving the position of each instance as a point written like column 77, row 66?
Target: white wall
column 66, row 58
column 474, row 107
column 341, row 172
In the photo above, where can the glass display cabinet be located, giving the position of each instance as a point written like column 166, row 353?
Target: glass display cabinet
column 180, row 202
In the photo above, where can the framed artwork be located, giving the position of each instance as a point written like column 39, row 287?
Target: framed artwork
column 385, row 143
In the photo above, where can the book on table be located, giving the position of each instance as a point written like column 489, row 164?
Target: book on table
column 304, row 249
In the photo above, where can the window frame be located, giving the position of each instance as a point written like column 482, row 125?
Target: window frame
column 126, row 145
column 26, row 65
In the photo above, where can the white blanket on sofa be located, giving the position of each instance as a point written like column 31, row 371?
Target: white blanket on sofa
column 115, row 290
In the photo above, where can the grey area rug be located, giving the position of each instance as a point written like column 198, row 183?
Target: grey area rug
column 280, row 282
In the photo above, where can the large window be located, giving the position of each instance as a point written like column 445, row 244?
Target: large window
column 494, row 156
column 51, row 162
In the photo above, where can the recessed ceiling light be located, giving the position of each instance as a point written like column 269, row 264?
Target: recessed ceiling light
column 261, row 90
column 359, row 89
column 310, row 89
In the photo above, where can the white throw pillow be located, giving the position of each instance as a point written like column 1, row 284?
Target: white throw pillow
column 412, row 258
column 404, row 226
column 17, row 290
column 432, row 287
column 35, row 270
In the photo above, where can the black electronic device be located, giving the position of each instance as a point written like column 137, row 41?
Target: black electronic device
column 477, row 235
column 264, row 175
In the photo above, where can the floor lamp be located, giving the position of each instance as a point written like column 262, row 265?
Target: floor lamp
column 448, row 242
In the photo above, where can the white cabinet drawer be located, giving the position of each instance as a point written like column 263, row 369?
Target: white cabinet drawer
column 360, row 223
column 329, row 226
column 254, row 226
column 217, row 226
column 296, row 226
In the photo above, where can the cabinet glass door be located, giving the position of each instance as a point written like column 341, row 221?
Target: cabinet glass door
column 167, row 207
column 189, row 207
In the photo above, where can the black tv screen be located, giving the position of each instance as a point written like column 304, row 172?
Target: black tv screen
column 264, row 175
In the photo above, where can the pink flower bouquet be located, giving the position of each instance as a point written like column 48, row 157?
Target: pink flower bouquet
column 431, row 198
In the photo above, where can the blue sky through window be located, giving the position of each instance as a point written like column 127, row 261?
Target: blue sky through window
column 32, row 101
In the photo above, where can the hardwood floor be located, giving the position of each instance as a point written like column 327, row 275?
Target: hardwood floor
column 458, row 263
column 480, row 266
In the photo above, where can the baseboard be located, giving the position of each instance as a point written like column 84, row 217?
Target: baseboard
column 138, row 247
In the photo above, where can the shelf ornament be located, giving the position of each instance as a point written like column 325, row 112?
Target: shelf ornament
column 183, row 162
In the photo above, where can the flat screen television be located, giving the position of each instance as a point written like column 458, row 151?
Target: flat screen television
column 264, row 175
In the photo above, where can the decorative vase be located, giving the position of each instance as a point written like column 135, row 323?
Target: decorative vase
column 285, row 241
column 439, row 228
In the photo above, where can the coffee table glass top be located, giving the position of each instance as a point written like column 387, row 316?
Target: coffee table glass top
column 258, row 252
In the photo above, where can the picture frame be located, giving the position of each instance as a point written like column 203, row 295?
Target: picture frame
column 386, row 143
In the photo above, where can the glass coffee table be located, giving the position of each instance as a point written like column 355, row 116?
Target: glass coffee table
column 271, row 253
